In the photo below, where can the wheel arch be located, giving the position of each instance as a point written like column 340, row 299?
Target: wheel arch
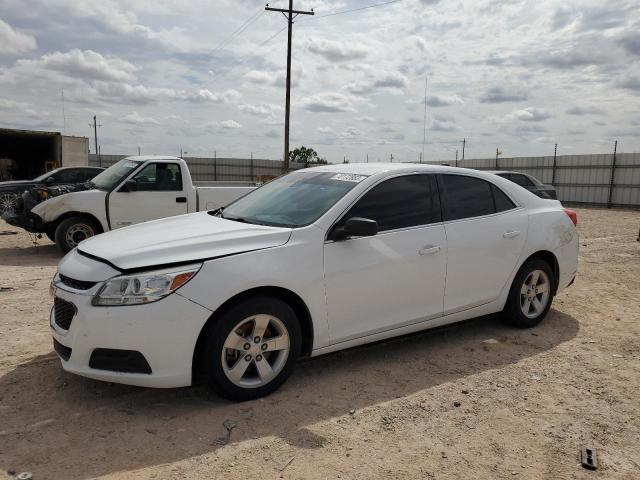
column 289, row 297
column 551, row 260
column 54, row 224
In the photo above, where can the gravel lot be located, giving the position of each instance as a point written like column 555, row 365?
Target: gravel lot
column 528, row 400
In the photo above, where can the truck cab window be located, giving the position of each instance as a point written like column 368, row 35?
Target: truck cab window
column 159, row 177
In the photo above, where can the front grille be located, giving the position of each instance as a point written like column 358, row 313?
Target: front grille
column 64, row 352
column 76, row 284
column 63, row 312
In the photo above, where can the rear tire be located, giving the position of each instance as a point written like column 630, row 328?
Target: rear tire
column 73, row 230
column 251, row 348
column 531, row 294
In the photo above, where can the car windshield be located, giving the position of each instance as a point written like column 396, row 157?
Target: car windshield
column 113, row 175
column 293, row 200
column 44, row 176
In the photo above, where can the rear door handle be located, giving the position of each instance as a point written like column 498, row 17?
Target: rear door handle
column 181, row 199
column 511, row 234
column 429, row 250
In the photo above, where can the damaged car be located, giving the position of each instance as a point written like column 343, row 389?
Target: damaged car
column 63, row 178
column 315, row 261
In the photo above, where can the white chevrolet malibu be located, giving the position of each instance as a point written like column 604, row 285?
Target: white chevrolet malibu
column 315, row 261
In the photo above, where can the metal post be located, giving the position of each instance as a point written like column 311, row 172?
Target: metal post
column 613, row 173
column 464, row 142
column 215, row 166
column 456, row 157
column 553, row 172
column 252, row 169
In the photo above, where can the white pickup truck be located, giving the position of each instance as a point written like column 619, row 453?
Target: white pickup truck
column 134, row 190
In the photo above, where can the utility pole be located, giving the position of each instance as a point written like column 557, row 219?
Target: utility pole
column 138, row 151
column 498, row 152
column 464, row 143
column 456, row 157
column 289, row 14
column 95, row 136
column 391, row 158
column 424, row 124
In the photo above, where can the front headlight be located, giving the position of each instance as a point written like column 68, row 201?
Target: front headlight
column 144, row 287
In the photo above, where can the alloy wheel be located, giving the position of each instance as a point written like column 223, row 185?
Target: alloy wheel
column 255, row 351
column 535, row 293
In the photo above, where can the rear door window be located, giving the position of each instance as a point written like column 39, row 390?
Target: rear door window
column 467, row 197
column 400, row 202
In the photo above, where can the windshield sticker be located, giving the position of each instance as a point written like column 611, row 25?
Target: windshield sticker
column 348, row 177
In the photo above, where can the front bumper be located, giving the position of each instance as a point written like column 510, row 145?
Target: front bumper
column 163, row 332
column 30, row 222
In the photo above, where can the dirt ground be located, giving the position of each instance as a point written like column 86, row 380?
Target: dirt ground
column 528, row 399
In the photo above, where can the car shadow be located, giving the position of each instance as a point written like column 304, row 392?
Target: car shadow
column 32, row 256
column 58, row 425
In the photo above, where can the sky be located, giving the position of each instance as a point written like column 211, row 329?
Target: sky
column 208, row 76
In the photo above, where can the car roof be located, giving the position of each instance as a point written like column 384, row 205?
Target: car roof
column 155, row 158
column 378, row 168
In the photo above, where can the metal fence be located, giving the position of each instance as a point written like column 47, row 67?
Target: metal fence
column 599, row 180
column 216, row 169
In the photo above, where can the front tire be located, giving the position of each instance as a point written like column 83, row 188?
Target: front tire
column 251, row 348
column 531, row 294
column 73, row 230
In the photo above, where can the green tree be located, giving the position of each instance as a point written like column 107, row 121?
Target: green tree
column 305, row 155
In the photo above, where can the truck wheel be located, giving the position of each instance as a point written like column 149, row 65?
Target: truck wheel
column 531, row 295
column 73, row 230
column 252, row 348
column 8, row 202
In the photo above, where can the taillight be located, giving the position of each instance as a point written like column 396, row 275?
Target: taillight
column 572, row 215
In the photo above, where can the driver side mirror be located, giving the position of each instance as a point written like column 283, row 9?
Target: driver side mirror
column 355, row 227
column 129, row 186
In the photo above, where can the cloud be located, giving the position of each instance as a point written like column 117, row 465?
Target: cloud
column 337, row 51
column 443, row 100
column 583, row 110
column 529, row 114
column 11, row 104
column 261, row 110
column 13, row 41
column 630, row 82
column 350, row 132
column 134, row 118
column 81, row 64
column 631, row 43
column 230, row 124
column 442, row 125
column 259, row 76
column 379, row 81
column 502, row 95
column 330, row 102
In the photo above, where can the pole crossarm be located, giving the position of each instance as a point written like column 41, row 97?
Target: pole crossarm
column 286, row 10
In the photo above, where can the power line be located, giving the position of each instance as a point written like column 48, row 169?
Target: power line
column 244, row 58
column 248, row 22
column 357, row 9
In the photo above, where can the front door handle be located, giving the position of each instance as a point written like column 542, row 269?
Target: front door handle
column 181, row 199
column 429, row 250
column 511, row 234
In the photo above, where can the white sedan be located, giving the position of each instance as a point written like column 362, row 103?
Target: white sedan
column 316, row 261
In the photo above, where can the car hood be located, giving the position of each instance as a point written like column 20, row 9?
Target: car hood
column 17, row 183
column 181, row 239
